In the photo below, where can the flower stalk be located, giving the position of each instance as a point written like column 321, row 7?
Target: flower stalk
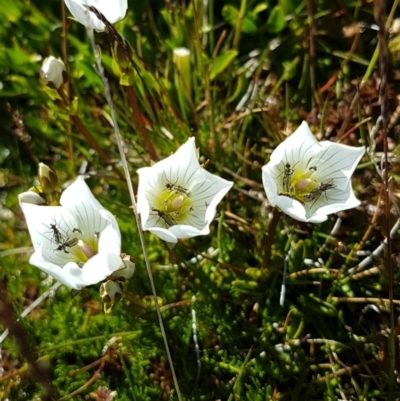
column 107, row 91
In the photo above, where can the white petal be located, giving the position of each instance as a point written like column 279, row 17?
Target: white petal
column 297, row 148
column 185, row 231
column 83, row 15
column 77, row 193
column 99, row 267
column 40, row 220
column 149, row 187
column 339, row 200
column 338, row 159
column 164, row 234
column 181, row 168
column 110, row 238
column 90, row 215
column 31, row 197
column 269, row 182
column 67, row 276
column 114, row 11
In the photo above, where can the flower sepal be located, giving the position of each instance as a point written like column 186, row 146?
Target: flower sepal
column 110, row 293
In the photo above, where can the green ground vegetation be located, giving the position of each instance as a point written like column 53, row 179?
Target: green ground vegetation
column 258, row 68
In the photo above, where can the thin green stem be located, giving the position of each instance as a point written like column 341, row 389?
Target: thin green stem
column 239, row 23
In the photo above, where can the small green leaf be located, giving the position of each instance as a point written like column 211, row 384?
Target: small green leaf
column 73, row 108
column 222, row 62
column 231, row 15
column 239, row 86
column 259, row 8
column 276, row 20
column 289, row 68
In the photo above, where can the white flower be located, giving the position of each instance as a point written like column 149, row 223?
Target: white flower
column 77, row 243
column 307, row 179
column 53, row 71
column 177, row 198
column 113, row 10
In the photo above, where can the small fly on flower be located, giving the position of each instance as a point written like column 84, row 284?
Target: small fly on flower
column 177, row 188
column 287, row 177
column 317, row 192
column 58, row 237
column 169, row 221
column 69, row 243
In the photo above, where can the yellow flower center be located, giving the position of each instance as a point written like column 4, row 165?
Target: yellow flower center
column 175, row 205
column 300, row 183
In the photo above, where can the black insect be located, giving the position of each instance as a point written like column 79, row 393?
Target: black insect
column 69, row 243
column 287, row 178
column 58, row 237
column 177, row 188
column 317, row 192
column 169, row 221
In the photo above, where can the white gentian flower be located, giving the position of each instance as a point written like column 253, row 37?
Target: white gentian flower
column 177, row 198
column 113, row 10
column 307, row 179
column 53, row 72
column 77, row 243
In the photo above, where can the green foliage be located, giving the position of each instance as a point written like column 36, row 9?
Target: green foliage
column 258, row 69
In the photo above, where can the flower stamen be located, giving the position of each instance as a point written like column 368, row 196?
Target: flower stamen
column 86, row 249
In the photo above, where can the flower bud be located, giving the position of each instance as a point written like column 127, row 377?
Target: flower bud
column 126, row 269
column 122, row 52
column 53, row 72
column 183, row 78
column 48, row 178
column 110, row 293
column 31, row 197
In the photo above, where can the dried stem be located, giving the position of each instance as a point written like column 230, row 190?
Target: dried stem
column 269, row 239
column 148, row 145
column 87, row 384
column 380, row 16
column 365, row 300
column 100, row 71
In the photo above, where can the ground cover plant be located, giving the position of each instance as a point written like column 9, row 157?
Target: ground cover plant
column 256, row 145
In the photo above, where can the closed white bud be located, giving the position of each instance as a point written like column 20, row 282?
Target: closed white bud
column 31, row 197
column 53, row 72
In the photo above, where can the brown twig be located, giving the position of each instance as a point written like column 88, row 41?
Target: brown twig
column 269, row 237
column 87, row 384
column 148, row 145
column 380, row 17
column 365, row 300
